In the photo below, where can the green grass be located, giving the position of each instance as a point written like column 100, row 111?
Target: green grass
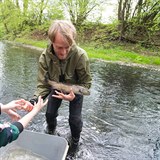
column 36, row 43
column 117, row 54
column 111, row 54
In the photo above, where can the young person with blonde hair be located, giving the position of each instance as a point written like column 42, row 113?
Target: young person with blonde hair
column 63, row 61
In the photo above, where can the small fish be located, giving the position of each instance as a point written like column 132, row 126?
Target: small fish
column 65, row 88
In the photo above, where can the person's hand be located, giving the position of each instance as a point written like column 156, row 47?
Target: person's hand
column 40, row 104
column 13, row 115
column 18, row 105
column 15, row 104
column 68, row 97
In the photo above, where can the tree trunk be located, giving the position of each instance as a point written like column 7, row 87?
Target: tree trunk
column 17, row 4
column 6, row 28
column 25, row 7
column 122, row 9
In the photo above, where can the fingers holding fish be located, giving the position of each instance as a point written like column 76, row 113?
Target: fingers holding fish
column 58, row 95
column 61, row 95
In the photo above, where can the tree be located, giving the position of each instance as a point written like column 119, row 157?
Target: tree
column 79, row 10
column 20, row 15
column 124, row 11
column 25, row 6
column 139, row 20
column 37, row 9
column 9, row 19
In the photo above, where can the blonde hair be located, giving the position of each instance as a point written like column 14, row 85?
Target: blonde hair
column 64, row 27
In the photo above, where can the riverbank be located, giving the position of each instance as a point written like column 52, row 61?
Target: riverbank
column 113, row 53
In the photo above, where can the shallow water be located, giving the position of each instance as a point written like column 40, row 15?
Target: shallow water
column 121, row 116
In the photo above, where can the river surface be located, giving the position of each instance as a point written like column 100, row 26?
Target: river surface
column 121, row 116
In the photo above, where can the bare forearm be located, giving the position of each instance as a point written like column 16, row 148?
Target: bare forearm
column 4, row 108
column 28, row 117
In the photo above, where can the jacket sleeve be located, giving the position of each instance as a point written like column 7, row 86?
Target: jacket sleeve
column 0, row 108
column 43, row 89
column 83, row 71
column 11, row 133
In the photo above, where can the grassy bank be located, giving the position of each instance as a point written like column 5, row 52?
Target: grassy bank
column 111, row 53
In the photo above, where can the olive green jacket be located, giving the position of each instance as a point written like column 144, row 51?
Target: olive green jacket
column 75, row 69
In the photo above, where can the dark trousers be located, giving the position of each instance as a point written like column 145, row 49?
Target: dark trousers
column 75, row 117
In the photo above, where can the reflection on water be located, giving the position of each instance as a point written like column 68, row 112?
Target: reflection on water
column 121, row 116
column 129, row 99
column 17, row 72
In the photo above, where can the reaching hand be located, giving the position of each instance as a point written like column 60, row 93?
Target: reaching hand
column 40, row 104
column 68, row 97
column 15, row 104
column 29, row 116
column 11, row 107
column 19, row 104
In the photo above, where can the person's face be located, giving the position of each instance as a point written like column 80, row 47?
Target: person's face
column 61, row 47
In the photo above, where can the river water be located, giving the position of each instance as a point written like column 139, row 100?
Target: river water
column 121, row 116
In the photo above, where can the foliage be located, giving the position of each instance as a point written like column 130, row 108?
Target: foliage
column 140, row 23
column 11, row 23
column 79, row 10
column 26, row 15
column 98, row 33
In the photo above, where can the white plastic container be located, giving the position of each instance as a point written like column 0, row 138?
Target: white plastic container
column 48, row 146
